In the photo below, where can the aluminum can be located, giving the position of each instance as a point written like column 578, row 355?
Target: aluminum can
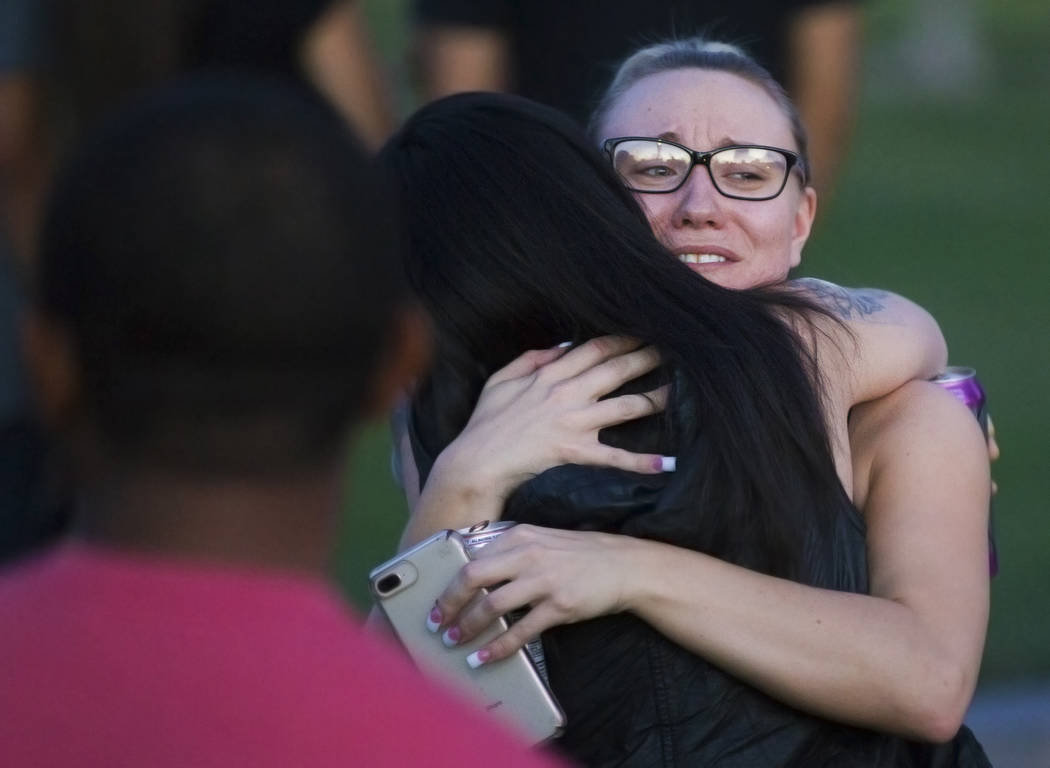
column 963, row 383
column 478, row 535
column 474, row 538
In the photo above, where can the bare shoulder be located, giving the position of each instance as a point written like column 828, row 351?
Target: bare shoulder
column 917, row 423
column 845, row 303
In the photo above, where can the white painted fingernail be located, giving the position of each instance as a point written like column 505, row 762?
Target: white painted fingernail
column 450, row 637
column 432, row 625
column 478, row 658
column 564, row 344
column 667, row 463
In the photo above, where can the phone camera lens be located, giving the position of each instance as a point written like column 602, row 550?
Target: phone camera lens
column 388, row 583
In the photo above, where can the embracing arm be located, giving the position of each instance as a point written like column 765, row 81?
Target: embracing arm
column 903, row 659
column 541, row 410
column 883, row 342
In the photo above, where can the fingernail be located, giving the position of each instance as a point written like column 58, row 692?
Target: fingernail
column 434, row 619
column 478, row 658
column 668, row 463
column 564, row 344
column 451, row 637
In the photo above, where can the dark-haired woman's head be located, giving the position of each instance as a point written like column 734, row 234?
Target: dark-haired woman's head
column 512, row 216
column 520, row 235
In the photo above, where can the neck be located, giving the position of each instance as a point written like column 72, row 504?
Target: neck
column 286, row 523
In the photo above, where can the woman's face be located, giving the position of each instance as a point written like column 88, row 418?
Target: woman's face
column 735, row 243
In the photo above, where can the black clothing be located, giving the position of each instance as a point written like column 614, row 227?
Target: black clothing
column 259, row 36
column 632, row 697
column 564, row 53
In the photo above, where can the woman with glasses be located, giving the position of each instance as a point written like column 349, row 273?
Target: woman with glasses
column 661, row 594
column 674, row 106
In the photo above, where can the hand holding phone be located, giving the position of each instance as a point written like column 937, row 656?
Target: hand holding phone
column 406, row 588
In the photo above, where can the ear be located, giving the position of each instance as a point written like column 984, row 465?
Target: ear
column 803, row 225
column 404, row 362
column 53, row 373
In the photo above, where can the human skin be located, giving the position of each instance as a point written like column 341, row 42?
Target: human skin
column 823, row 41
column 912, row 647
column 337, row 55
column 758, row 240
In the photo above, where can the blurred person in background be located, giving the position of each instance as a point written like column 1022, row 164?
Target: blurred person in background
column 33, row 502
column 562, row 52
column 218, row 303
column 102, row 50
column 67, row 64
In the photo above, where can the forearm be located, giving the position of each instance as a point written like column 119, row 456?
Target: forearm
column 878, row 342
column 453, row 497
column 451, row 59
column 824, row 43
column 858, row 659
column 338, row 56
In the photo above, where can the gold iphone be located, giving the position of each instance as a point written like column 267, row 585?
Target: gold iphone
column 406, row 587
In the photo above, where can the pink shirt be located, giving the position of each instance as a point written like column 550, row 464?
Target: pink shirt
column 116, row 659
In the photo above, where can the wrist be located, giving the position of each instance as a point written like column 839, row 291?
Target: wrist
column 462, row 473
column 452, row 497
column 639, row 563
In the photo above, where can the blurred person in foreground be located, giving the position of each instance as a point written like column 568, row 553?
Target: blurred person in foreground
column 216, row 306
column 33, row 502
column 65, row 64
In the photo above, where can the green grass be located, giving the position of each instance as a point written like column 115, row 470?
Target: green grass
column 944, row 201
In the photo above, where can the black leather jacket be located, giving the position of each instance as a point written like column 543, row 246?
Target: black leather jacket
column 634, row 698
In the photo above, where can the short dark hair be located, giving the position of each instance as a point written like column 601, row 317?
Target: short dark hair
column 224, row 255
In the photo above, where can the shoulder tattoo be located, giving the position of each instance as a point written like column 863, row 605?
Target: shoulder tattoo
column 847, row 303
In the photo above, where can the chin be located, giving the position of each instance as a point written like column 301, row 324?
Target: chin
column 721, row 273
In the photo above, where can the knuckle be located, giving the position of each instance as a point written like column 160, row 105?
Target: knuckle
column 470, row 574
column 561, row 604
column 622, row 366
column 630, row 405
column 561, row 391
column 503, row 646
column 604, row 345
column 572, row 454
column 525, row 531
column 493, row 604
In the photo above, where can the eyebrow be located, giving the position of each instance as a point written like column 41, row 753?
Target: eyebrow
column 725, row 141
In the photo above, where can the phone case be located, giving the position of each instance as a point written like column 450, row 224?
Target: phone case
column 406, row 587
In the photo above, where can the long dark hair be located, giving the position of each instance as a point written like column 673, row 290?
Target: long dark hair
column 520, row 236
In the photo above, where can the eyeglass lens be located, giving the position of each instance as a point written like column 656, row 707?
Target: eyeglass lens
column 655, row 166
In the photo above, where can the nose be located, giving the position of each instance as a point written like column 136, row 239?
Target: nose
column 698, row 203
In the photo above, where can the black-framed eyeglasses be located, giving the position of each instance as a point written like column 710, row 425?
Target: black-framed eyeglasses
column 740, row 171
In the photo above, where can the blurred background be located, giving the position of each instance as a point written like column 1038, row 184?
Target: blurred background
column 943, row 196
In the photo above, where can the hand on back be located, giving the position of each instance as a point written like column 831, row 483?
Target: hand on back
column 545, row 409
